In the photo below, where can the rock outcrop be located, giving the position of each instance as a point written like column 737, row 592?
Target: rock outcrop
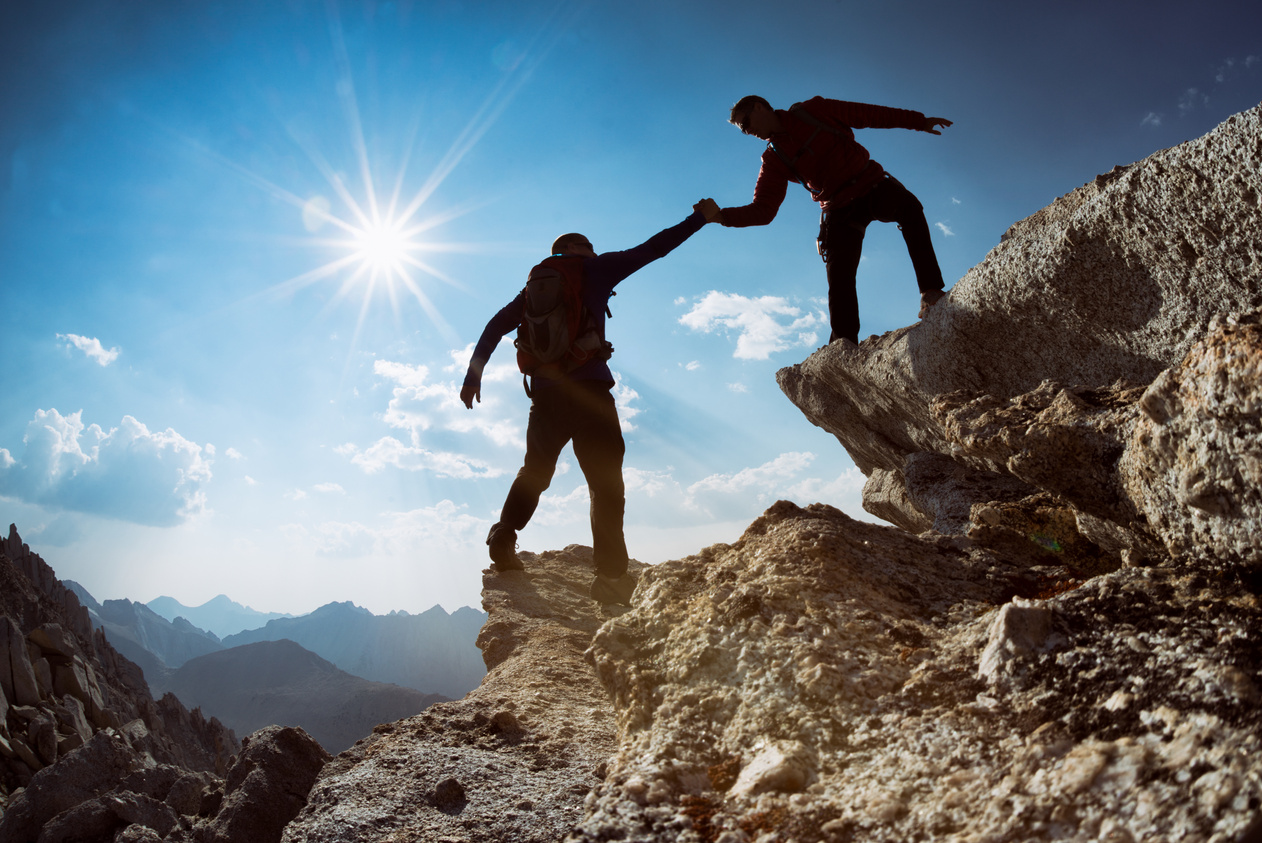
column 1082, row 303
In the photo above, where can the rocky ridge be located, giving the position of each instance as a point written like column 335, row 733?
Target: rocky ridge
column 61, row 682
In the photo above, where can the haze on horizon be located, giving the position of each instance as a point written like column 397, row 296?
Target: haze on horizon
column 245, row 251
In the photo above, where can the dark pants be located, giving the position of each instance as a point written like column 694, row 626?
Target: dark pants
column 842, row 235
column 582, row 412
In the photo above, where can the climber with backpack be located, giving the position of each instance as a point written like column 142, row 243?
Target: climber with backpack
column 562, row 352
column 812, row 143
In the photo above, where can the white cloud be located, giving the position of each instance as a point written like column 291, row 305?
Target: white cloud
column 738, row 387
column 389, row 451
column 233, row 454
column 763, row 476
column 329, row 488
column 1191, row 99
column 955, row 201
column 295, row 495
column 1152, row 118
column 691, row 365
column 764, row 325
column 127, row 473
column 623, row 397
column 434, row 532
column 92, row 347
column 946, row 231
column 659, row 498
column 420, row 402
column 250, row 481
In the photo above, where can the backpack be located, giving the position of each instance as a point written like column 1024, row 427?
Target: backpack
column 557, row 333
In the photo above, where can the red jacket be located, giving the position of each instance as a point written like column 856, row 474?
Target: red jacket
column 836, row 168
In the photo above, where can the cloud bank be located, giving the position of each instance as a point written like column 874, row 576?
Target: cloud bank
column 128, row 473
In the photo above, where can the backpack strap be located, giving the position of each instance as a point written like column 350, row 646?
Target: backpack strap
column 799, row 111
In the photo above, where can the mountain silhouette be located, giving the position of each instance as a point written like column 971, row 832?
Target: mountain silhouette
column 221, row 615
column 280, row 682
column 432, row 652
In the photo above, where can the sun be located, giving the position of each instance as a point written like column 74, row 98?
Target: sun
column 383, row 246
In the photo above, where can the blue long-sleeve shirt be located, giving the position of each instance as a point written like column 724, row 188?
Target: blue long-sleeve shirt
column 600, row 275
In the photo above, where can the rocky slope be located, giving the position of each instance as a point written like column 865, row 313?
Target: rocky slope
column 1060, row 640
column 143, row 635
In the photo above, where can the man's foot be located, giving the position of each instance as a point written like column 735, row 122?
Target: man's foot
column 613, row 590
column 503, row 543
column 928, row 299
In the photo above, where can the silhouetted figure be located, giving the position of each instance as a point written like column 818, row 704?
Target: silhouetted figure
column 813, row 143
column 575, row 405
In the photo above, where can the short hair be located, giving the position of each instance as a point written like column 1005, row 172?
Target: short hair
column 559, row 244
column 745, row 104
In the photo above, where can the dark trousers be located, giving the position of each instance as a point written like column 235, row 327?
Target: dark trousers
column 842, row 235
column 582, row 412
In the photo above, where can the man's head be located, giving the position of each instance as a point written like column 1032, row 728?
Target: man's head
column 573, row 244
column 753, row 115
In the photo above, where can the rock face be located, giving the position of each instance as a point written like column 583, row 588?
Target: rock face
column 515, row 758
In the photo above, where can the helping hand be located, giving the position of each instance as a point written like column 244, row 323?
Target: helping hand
column 468, row 393
column 709, row 208
column 932, row 124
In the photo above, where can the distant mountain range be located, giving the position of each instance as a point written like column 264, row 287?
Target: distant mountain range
column 142, row 635
column 257, row 685
column 220, row 615
column 336, row 672
column 433, row 652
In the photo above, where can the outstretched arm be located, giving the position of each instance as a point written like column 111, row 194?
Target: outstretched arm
column 933, row 123
column 508, row 318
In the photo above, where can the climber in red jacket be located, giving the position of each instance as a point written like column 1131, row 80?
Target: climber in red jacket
column 812, row 143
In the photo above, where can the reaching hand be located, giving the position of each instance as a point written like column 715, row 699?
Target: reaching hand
column 468, row 393
column 932, row 124
column 709, row 208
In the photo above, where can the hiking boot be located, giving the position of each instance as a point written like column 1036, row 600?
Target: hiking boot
column 613, row 589
column 503, row 543
column 927, row 300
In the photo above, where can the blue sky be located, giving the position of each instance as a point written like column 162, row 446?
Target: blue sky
column 209, row 389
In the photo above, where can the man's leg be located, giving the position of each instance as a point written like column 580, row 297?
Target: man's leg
column 599, row 449
column 894, row 203
column 844, row 245
column 547, row 432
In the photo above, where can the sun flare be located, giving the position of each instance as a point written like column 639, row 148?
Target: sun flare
column 383, row 246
